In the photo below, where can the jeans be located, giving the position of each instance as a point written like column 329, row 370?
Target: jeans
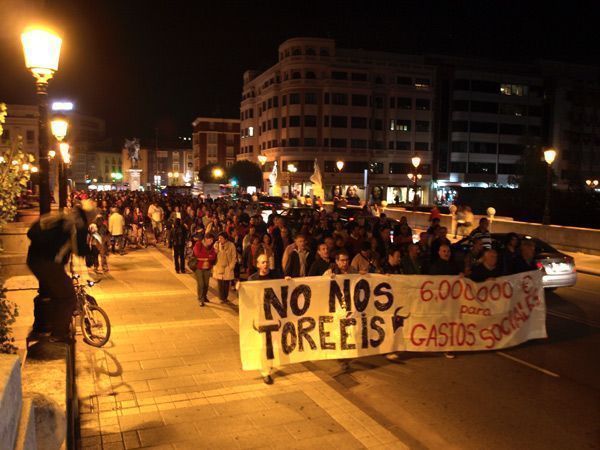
column 202, row 280
column 117, row 240
column 179, row 257
column 224, row 289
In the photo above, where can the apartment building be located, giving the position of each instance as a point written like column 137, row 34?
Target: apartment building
column 371, row 110
column 215, row 140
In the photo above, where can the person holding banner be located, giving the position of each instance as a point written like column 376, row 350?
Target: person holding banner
column 264, row 273
column 342, row 265
column 392, row 263
column 444, row 265
column 488, row 269
column 296, row 258
column 321, row 262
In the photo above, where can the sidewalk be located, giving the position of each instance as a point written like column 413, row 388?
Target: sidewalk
column 171, row 377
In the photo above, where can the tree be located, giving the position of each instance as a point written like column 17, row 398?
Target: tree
column 246, row 173
column 207, row 175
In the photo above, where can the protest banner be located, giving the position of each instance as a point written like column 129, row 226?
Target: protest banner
column 350, row 316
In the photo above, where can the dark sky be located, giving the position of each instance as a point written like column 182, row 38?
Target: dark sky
column 140, row 66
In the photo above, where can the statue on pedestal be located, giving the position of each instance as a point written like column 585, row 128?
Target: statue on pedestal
column 133, row 150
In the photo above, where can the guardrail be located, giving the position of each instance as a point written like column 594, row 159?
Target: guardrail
column 585, row 240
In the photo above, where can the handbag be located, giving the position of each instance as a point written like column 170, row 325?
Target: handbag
column 192, row 263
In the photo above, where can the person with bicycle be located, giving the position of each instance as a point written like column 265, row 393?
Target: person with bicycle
column 54, row 237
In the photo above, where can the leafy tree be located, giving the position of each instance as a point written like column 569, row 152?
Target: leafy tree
column 246, row 173
column 206, row 174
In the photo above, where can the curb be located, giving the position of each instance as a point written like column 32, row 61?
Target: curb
column 588, row 271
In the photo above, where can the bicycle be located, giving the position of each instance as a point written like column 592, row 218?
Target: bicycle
column 93, row 320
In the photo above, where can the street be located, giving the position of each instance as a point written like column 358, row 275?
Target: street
column 171, row 378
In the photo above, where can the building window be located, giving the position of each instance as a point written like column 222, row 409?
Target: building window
column 402, row 145
column 404, row 81
column 484, row 107
column 519, row 90
column 482, row 147
column 294, row 99
column 294, row 142
column 482, row 168
column 378, row 102
column 30, row 136
column 310, row 121
column 296, row 75
column 422, row 146
column 338, row 143
column 310, row 51
column 310, row 142
column 461, row 85
column 275, row 102
column 310, row 75
column 337, row 75
column 422, row 126
column 283, row 122
column 507, row 168
column 378, row 79
column 326, row 98
column 324, row 52
column 284, row 100
column 325, row 121
column 422, row 104
column 459, row 147
column 212, row 137
column 404, row 103
column 491, row 87
column 458, row 167
column 294, row 121
column 310, row 98
column 377, row 124
column 403, row 125
column 460, row 105
column 211, row 150
column 359, row 100
column 358, row 76
column 275, row 123
column 378, row 145
column 358, row 143
column 339, row 121
column 511, row 109
column 509, row 128
column 339, row 99
column 484, row 127
column 358, row 122
column 422, row 83
column 296, row 52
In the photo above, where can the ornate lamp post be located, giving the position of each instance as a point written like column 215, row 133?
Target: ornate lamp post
column 59, row 127
column 291, row 169
column 416, row 162
column 592, row 184
column 42, row 52
column 549, row 157
column 340, row 167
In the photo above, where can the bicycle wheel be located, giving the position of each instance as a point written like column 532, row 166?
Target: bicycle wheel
column 95, row 326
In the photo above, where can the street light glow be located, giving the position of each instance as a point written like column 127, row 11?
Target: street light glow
column 217, row 172
column 42, row 52
column 64, row 152
column 262, row 159
column 59, row 128
column 340, row 165
column 62, row 106
column 416, row 161
column 292, row 168
column 550, row 155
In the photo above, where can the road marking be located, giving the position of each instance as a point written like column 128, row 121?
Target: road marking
column 566, row 316
column 531, row 366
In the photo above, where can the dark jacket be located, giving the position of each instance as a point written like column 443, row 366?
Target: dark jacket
column 318, row 267
column 55, row 237
column 178, row 236
column 292, row 267
column 443, row 267
column 387, row 268
column 481, row 273
column 520, row 265
column 272, row 275
column 410, row 266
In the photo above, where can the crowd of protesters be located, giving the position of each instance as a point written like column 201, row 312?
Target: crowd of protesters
column 229, row 240
column 226, row 237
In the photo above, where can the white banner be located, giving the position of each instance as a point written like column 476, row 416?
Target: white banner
column 311, row 318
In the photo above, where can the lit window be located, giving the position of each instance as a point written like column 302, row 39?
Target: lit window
column 519, row 90
column 250, row 131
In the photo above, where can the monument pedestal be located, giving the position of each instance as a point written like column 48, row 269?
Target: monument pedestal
column 134, row 179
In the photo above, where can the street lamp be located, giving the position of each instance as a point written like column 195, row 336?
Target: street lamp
column 262, row 159
column 416, row 162
column 340, row 167
column 217, row 173
column 549, row 157
column 592, row 184
column 59, row 127
column 42, row 52
column 291, row 169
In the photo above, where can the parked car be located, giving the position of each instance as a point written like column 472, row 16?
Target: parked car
column 559, row 269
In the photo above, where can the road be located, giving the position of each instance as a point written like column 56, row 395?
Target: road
column 541, row 395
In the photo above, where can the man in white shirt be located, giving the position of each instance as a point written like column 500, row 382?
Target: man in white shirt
column 116, row 228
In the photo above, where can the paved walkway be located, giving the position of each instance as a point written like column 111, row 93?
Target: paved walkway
column 171, row 377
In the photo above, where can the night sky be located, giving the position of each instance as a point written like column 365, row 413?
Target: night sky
column 143, row 67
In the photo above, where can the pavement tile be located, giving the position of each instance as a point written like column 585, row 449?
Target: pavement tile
column 161, row 363
column 171, row 382
column 141, row 421
column 167, row 434
column 131, row 440
column 188, row 414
